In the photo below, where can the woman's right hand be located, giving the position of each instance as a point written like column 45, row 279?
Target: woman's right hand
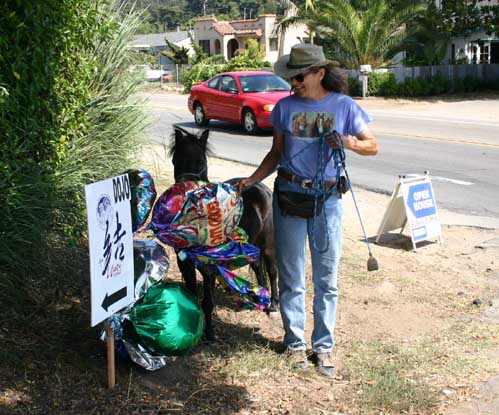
column 244, row 183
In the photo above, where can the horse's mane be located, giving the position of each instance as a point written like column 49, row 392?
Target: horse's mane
column 172, row 146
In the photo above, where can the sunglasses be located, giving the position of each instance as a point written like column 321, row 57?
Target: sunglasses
column 301, row 76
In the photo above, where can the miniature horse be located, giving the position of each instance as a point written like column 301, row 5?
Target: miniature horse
column 189, row 157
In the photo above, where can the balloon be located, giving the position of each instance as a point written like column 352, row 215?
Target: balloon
column 168, row 320
column 143, row 196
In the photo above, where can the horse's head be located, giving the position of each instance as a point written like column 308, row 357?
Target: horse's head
column 189, row 153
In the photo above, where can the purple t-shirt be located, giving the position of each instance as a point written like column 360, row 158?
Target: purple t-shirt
column 302, row 122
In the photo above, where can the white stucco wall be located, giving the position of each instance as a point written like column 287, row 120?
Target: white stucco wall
column 465, row 49
column 204, row 30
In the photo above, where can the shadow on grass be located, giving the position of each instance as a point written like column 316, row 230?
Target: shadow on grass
column 52, row 362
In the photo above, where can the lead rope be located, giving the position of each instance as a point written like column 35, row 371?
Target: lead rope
column 319, row 181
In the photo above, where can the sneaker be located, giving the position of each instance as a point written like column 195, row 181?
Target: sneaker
column 298, row 359
column 325, row 364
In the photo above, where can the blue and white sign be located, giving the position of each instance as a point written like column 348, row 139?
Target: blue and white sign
column 421, row 201
column 111, row 246
column 413, row 203
column 421, row 209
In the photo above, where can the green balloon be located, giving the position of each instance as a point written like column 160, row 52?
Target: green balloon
column 168, row 320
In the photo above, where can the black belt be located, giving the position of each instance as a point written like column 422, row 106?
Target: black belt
column 304, row 183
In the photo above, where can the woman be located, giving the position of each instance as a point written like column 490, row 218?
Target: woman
column 319, row 87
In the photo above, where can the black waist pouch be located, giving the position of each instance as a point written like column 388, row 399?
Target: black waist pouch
column 298, row 204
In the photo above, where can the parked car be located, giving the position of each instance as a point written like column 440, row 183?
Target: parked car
column 150, row 74
column 167, row 76
column 245, row 97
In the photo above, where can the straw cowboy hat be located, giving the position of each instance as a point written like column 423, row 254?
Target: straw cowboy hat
column 302, row 57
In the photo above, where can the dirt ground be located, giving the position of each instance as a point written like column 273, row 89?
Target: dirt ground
column 419, row 336
column 431, row 315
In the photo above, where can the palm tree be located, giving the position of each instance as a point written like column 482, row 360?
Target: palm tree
column 363, row 31
column 177, row 54
column 291, row 17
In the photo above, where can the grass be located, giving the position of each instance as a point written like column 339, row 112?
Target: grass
column 399, row 378
column 353, row 268
column 254, row 363
column 381, row 372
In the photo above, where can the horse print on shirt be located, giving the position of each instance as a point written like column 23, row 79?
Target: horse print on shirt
column 307, row 125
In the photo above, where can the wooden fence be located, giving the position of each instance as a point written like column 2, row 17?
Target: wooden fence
column 486, row 72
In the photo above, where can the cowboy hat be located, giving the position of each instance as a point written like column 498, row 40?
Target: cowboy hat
column 302, row 57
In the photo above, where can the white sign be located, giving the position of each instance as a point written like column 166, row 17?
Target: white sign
column 111, row 246
column 413, row 202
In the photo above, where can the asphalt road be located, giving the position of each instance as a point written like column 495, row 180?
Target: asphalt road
column 462, row 155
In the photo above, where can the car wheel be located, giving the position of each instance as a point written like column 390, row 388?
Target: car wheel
column 199, row 116
column 249, row 122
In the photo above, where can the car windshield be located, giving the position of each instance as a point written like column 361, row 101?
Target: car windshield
column 263, row 83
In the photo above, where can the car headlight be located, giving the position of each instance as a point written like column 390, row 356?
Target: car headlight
column 268, row 107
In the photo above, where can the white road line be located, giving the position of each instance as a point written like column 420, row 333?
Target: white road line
column 444, row 179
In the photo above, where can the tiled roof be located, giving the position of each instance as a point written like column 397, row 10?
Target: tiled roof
column 224, row 28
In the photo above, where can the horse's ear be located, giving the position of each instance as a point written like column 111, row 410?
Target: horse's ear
column 203, row 138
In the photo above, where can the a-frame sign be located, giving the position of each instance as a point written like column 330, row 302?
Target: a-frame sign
column 413, row 202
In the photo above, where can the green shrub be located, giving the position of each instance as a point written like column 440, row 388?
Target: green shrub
column 246, row 60
column 385, row 84
column 354, row 87
column 69, row 119
column 200, row 72
column 439, row 85
column 382, row 84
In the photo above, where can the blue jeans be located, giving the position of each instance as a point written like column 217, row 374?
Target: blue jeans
column 290, row 236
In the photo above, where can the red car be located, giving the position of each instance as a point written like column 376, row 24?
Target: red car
column 245, row 97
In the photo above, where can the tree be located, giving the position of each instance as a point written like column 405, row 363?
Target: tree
column 177, row 54
column 461, row 17
column 428, row 43
column 362, row 32
column 490, row 19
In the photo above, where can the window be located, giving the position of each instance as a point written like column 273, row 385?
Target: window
column 474, row 57
column 263, row 83
column 273, row 44
column 214, row 83
column 228, row 84
column 484, row 54
column 205, row 45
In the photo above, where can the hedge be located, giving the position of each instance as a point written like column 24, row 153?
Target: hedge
column 385, row 84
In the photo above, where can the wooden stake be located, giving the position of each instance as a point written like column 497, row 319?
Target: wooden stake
column 111, row 379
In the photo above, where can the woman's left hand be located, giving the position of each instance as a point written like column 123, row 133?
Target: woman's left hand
column 348, row 141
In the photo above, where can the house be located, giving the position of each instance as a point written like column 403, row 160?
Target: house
column 154, row 43
column 219, row 37
column 476, row 47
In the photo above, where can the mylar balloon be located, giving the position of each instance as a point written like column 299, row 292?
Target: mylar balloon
column 143, row 196
column 168, row 319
